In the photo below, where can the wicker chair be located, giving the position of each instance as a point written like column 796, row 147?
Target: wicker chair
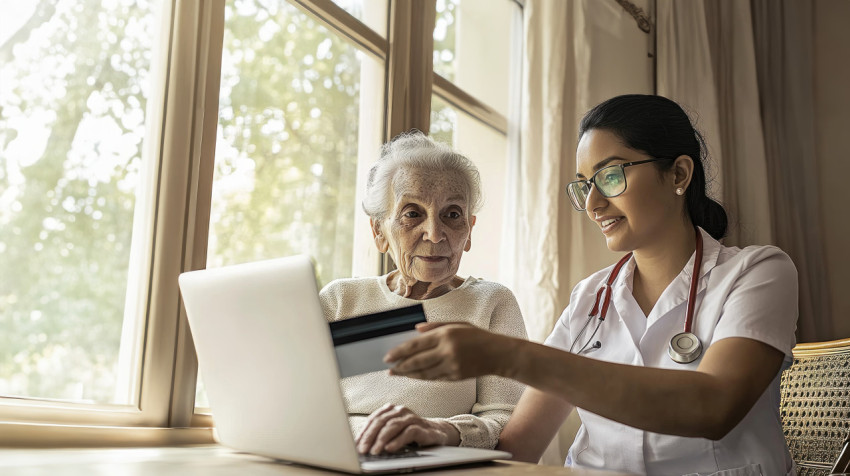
column 842, row 464
column 815, row 405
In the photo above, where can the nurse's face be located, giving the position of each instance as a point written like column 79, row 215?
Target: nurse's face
column 649, row 208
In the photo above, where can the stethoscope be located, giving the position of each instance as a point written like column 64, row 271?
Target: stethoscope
column 684, row 348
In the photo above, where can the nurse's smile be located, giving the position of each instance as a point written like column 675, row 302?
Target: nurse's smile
column 609, row 223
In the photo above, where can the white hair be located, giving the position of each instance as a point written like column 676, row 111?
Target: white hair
column 415, row 150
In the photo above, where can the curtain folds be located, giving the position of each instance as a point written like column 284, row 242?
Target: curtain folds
column 744, row 72
column 706, row 62
column 784, row 42
column 564, row 74
column 548, row 66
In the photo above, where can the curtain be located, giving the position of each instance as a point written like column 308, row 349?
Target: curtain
column 546, row 144
column 783, row 32
column 575, row 54
column 742, row 71
column 706, row 62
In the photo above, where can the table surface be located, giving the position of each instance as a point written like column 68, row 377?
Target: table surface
column 211, row 460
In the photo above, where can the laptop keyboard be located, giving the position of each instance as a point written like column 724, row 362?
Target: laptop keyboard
column 404, row 453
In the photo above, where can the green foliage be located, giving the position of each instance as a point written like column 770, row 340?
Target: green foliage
column 76, row 74
column 75, row 77
column 445, row 38
column 288, row 132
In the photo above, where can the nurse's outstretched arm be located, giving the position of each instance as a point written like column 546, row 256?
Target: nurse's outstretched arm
column 707, row 402
column 534, row 423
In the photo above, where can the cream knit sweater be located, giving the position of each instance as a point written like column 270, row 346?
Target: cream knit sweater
column 478, row 408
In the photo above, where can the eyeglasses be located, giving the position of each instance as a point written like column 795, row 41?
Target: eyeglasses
column 609, row 181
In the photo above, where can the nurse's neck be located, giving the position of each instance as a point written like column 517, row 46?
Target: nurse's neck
column 657, row 265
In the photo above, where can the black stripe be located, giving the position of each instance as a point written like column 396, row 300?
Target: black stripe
column 376, row 325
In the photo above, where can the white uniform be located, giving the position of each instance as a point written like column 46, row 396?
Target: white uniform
column 748, row 293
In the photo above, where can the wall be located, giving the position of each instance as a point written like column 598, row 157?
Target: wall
column 832, row 109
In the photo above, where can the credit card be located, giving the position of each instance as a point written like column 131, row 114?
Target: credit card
column 361, row 342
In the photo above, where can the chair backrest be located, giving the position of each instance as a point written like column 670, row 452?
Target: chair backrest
column 815, row 405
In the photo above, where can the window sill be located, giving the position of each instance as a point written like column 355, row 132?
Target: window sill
column 38, row 435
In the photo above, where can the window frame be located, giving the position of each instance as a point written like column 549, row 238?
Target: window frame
column 190, row 42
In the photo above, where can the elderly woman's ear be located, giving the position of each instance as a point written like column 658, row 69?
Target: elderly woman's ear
column 468, row 244
column 380, row 240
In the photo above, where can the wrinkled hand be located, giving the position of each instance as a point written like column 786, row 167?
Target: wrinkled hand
column 391, row 427
column 450, row 352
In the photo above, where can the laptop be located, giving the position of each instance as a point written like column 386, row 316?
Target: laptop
column 267, row 358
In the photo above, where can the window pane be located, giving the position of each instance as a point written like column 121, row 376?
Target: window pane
column 371, row 12
column 73, row 91
column 300, row 120
column 472, row 47
column 488, row 149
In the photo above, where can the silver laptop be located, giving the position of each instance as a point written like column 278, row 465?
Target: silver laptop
column 267, row 360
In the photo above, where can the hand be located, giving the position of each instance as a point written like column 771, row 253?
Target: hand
column 451, row 352
column 391, row 427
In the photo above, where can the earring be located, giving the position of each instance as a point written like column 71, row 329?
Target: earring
column 680, row 191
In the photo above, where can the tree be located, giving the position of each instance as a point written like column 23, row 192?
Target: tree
column 73, row 91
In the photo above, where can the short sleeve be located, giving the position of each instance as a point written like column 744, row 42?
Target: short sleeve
column 762, row 303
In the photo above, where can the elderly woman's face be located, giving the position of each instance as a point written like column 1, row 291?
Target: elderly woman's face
column 428, row 227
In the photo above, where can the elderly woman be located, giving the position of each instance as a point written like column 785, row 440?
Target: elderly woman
column 421, row 198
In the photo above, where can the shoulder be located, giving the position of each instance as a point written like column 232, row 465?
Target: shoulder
column 342, row 298
column 345, row 285
column 490, row 289
column 758, row 260
column 492, row 306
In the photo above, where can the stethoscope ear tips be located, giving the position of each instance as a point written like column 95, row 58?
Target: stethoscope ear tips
column 596, row 345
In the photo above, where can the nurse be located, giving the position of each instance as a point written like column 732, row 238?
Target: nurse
column 673, row 355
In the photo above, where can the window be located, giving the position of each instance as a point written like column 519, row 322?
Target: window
column 143, row 138
column 288, row 139
column 74, row 89
column 474, row 83
column 488, row 148
column 299, row 108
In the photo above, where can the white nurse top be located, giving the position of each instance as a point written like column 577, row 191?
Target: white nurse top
column 750, row 292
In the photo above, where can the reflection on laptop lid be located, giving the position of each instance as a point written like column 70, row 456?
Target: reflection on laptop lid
column 268, row 363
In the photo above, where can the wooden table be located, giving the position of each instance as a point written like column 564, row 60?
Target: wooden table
column 210, row 460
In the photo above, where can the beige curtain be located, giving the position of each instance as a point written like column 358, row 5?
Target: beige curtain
column 783, row 32
column 744, row 73
column 574, row 56
column 706, row 62
column 547, row 105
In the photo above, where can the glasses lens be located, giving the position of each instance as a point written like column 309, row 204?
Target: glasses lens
column 610, row 181
column 578, row 192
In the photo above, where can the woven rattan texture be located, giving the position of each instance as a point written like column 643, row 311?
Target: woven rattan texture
column 815, row 410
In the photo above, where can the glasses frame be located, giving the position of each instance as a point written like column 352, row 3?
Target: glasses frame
column 591, row 182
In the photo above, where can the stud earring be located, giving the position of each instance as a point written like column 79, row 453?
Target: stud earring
column 680, row 191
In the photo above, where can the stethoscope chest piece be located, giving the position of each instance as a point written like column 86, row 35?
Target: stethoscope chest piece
column 685, row 347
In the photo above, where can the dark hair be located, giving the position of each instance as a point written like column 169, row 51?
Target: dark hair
column 658, row 127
